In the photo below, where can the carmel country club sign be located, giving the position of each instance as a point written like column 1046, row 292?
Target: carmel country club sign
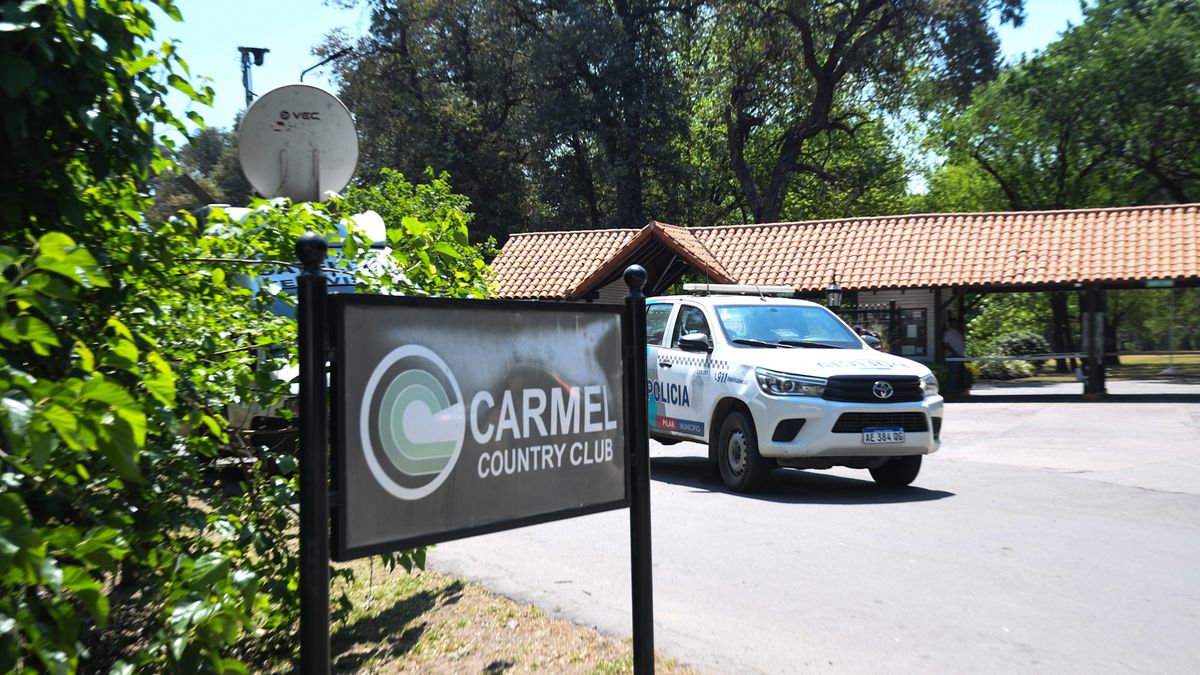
column 455, row 418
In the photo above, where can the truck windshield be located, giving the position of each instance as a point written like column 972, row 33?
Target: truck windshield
column 795, row 326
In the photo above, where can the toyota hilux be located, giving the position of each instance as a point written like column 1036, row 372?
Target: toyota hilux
column 772, row 382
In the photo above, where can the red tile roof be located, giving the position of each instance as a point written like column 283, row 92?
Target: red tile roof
column 554, row 264
column 958, row 249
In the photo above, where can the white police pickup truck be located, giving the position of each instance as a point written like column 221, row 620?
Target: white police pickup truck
column 769, row 382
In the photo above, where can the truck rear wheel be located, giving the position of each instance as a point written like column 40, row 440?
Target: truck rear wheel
column 897, row 471
column 742, row 468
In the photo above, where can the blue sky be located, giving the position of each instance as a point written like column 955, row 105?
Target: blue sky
column 212, row 30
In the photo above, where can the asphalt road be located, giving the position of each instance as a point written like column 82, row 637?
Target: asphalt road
column 1045, row 537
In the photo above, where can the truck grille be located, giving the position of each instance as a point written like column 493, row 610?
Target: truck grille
column 858, row 388
column 854, row 423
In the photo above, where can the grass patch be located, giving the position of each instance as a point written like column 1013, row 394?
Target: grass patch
column 426, row 622
column 1135, row 367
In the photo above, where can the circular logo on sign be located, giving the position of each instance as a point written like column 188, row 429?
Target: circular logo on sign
column 412, row 422
column 882, row 389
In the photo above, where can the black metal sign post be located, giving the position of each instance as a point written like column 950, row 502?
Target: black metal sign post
column 432, row 443
column 311, row 249
column 638, row 444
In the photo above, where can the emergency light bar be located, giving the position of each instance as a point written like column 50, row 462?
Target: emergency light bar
column 739, row 289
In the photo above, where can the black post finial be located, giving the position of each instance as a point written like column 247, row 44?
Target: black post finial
column 635, row 278
column 312, row 249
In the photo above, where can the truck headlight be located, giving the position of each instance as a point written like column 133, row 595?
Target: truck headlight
column 783, row 384
column 929, row 385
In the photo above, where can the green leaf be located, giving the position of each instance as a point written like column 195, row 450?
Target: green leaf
column 211, row 423
column 58, row 253
column 50, row 573
column 98, row 388
column 119, row 328
column 55, row 287
column 18, row 410
column 101, row 548
column 86, row 359
column 41, row 444
column 89, row 592
column 414, row 226
column 232, row 666
column 209, row 568
column 28, row 329
column 160, row 380
column 119, row 445
column 12, row 507
column 65, row 424
column 189, row 614
column 184, row 86
column 446, row 249
column 124, row 356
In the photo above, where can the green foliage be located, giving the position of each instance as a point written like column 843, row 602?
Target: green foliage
column 795, row 78
column 1022, row 344
column 121, row 342
column 82, row 92
column 428, row 236
column 1004, row 370
column 210, row 159
column 1147, row 322
column 1105, row 116
column 996, row 315
column 573, row 115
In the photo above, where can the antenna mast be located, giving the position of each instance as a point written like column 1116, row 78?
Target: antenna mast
column 257, row 54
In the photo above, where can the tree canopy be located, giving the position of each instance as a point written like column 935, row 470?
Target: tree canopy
column 1108, row 115
column 140, row 529
column 572, row 114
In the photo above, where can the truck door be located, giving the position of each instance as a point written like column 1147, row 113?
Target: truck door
column 658, row 316
column 684, row 376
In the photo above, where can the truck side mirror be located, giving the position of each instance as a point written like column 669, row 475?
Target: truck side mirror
column 695, row 342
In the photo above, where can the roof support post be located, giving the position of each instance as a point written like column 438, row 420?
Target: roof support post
column 1094, row 386
column 939, row 326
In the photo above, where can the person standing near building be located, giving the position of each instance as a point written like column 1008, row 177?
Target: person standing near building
column 954, row 344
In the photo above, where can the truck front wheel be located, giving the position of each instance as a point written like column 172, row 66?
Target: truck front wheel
column 742, row 468
column 897, row 471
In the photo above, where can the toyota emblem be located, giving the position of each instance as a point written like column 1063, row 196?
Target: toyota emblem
column 882, row 389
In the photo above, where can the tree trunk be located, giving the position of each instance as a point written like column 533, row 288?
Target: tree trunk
column 586, row 182
column 627, row 179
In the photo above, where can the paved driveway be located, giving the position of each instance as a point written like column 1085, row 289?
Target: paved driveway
column 1045, row 537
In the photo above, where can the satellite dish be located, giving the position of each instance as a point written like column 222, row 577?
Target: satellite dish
column 298, row 141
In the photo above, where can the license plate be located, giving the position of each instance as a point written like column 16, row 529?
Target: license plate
column 889, row 435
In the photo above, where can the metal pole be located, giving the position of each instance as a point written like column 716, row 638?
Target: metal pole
column 337, row 55
column 246, row 76
column 639, row 493
column 311, row 249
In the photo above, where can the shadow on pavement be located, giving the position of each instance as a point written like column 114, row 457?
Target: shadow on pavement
column 1074, row 398
column 791, row 486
